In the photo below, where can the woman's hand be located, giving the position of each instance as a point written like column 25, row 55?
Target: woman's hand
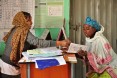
column 63, row 43
column 66, row 43
column 82, row 53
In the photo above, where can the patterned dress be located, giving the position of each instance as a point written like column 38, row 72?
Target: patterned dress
column 101, row 57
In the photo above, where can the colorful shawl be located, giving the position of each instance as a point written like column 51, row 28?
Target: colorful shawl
column 19, row 36
column 100, row 54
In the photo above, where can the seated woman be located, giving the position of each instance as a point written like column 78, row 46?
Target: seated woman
column 99, row 57
column 20, row 39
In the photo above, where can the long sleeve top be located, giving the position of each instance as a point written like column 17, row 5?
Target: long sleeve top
column 31, row 42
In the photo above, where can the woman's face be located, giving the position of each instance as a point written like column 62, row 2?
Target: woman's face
column 89, row 31
column 29, row 21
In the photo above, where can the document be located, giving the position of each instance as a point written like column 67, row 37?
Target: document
column 42, row 52
column 74, row 48
column 46, row 51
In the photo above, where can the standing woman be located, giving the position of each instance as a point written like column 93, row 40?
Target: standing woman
column 99, row 57
column 20, row 39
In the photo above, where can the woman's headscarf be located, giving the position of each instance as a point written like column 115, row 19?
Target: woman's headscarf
column 19, row 36
column 93, row 23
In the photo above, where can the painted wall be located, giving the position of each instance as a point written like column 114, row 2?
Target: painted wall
column 54, row 31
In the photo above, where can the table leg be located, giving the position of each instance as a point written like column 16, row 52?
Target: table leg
column 28, row 70
column 72, row 70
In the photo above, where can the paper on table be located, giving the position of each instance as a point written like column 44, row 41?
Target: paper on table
column 74, row 48
column 60, row 59
column 48, row 50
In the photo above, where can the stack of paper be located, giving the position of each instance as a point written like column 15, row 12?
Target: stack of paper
column 50, row 51
column 44, row 57
column 42, row 52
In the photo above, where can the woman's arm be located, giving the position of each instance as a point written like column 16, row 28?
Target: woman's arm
column 32, row 40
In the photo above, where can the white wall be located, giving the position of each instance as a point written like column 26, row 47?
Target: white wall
column 8, row 8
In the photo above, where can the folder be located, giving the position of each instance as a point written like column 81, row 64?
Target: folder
column 45, row 63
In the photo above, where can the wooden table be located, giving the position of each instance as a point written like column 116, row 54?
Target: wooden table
column 28, row 69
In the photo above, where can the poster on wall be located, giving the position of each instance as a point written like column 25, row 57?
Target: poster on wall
column 49, row 13
column 55, row 10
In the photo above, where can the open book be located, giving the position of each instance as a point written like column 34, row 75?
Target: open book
column 74, row 48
